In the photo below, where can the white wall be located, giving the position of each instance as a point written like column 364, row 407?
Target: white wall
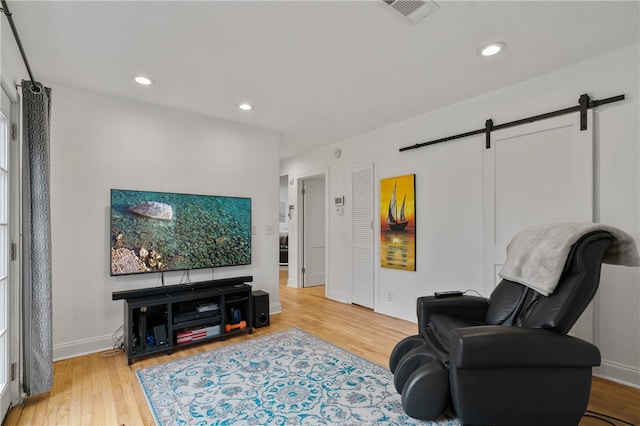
column 100, row 142
column 449, row 194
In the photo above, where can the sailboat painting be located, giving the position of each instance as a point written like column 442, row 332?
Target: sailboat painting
column 397, row 223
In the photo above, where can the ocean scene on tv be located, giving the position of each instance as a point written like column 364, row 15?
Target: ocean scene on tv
column 160, row 231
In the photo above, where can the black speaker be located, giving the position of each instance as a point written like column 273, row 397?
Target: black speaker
column 260, row 308
column 160, row 335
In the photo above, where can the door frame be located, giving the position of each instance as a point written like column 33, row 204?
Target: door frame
column 14, row 296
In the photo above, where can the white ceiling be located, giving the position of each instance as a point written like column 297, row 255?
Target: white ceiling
column 317, row 72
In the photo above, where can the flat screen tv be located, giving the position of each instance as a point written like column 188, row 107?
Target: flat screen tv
column 161, row 231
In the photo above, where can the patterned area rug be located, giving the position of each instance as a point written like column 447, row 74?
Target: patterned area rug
column 286, row 378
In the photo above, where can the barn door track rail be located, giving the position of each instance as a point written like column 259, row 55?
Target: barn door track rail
column 584, row 103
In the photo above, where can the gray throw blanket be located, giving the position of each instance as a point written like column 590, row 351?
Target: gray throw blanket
column 536, row 256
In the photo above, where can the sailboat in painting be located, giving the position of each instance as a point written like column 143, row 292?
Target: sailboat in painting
column 395, row 222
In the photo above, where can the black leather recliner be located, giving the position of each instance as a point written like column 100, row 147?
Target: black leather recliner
column 506, row 360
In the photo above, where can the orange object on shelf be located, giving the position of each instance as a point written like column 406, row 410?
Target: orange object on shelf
column 241, row 326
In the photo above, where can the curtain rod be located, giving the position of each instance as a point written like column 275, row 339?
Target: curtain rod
column 584, row 103
column 36, row 87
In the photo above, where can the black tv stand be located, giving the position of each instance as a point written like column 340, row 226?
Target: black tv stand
column 163, row 319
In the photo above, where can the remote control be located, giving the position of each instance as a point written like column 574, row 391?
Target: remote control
column 451, row 293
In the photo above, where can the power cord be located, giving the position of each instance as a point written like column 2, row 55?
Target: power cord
column 118, row 343
column 118, row 339
column 477, row 293
column 473, row 291
column 606, row 418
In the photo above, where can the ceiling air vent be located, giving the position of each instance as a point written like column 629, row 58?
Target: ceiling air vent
column 413, row 10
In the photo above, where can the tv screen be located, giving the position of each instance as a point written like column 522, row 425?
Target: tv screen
column 161, row 231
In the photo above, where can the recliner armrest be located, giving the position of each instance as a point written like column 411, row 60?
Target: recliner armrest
column 465, row 307
column 504, row 347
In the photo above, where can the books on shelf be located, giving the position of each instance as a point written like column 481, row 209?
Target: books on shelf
column 188, row 336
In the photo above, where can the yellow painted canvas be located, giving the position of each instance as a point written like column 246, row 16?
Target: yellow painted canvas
column 398, row 223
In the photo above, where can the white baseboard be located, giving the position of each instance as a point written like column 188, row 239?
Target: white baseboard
column 82, row 347
column 619, row 373
column 397, row 311
column 275, row 308
column 337, row 296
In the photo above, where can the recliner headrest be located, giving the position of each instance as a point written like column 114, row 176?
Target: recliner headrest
column 515, row 304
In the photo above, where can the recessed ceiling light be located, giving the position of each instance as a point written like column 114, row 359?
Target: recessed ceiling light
column 492, row 49
column 245, row 107
column 145, row 81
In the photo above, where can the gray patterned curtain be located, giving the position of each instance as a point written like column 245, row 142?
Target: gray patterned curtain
column 36, row 240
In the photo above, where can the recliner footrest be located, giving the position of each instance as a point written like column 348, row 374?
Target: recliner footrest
column 401, row 349
column 421, row 378
column 426, row 393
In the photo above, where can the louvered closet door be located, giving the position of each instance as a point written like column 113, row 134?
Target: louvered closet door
column 534, row 174
column 362, row 241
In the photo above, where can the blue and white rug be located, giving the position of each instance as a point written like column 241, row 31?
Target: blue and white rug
column 286, row 378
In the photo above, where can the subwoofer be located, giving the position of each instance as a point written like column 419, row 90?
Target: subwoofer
column 260, row 308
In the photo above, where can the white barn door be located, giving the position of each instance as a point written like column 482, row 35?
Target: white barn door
column 536, row 173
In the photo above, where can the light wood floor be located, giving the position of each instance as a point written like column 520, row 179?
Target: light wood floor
column 101, row 389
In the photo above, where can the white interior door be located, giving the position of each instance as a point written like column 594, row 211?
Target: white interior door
column 362, row 235
column 536, row 173
column 313, row 256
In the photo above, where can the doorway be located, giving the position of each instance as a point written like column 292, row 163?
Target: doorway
column 283, row 226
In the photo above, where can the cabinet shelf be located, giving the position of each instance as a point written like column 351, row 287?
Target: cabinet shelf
column 138, row 351
column 153, row 322
column 195, row 342
column 237, row 300
column 198, row 322
column 234, row 332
